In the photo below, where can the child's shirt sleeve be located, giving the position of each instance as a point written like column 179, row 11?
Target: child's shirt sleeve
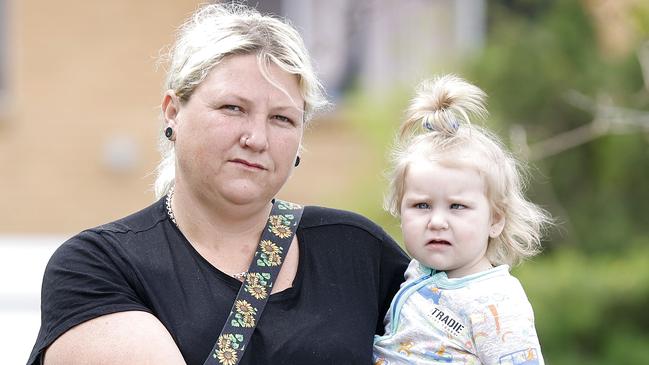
column 503, row 331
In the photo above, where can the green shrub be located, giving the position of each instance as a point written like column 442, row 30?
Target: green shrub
column 591, row 309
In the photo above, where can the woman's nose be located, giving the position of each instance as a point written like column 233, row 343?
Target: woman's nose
column 254, row 134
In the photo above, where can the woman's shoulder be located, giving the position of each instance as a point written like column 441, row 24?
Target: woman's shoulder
column 352, row 234
column 140, row 221
column 118, row 232
column 318, row 216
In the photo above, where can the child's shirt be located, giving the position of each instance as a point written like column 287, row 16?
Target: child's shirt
column 483, row 318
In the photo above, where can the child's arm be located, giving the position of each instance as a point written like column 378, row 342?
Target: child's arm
column 503, row 332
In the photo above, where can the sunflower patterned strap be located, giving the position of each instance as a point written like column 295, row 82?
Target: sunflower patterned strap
column 251, row 300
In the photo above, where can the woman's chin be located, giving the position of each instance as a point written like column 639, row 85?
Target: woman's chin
column 243, row 195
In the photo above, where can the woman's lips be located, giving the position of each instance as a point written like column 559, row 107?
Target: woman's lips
column 248, row 164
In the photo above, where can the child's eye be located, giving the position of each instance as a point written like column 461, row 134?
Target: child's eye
column 422, row 206
column 457, row 206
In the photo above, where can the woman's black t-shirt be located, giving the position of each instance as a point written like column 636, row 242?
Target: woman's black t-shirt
column 348, row 271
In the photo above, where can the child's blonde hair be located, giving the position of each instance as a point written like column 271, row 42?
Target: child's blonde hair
column 439, row 128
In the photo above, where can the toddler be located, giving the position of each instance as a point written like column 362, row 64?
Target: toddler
column 465, row 221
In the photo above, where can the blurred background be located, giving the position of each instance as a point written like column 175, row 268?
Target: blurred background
column 568, row 86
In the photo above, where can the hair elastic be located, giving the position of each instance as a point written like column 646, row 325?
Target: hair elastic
column 429, row 126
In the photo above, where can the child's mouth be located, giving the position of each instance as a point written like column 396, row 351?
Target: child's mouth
column 439, row 242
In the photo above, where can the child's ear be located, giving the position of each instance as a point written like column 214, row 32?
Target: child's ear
column 497, row 225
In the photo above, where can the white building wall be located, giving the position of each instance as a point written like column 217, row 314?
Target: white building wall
column 22, row 263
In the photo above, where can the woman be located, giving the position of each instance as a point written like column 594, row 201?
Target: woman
column 156, row 287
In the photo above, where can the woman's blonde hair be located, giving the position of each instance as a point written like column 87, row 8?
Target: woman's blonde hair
column 216, row 31
column 439, row 128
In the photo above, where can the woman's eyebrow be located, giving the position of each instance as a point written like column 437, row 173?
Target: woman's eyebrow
column 287, row 109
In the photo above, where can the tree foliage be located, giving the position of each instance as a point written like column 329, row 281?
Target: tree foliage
column 590, row 289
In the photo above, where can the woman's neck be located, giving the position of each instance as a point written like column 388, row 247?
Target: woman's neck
column 216, row 224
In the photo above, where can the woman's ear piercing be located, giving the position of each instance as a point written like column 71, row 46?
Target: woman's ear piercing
column 169, row 132
column 297, row 161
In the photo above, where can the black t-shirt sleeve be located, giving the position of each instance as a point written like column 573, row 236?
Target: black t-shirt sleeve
column 394, row 262
column 86, row 277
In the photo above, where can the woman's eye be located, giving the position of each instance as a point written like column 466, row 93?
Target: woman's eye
column 282, row 118
column 457, row 206
column 422, row 206
column 233, row 108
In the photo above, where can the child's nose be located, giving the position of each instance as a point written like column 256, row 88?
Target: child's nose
column 437, row 221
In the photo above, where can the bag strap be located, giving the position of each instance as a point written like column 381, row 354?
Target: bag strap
column 251, row 300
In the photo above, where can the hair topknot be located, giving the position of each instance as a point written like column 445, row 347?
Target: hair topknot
column 442, row 104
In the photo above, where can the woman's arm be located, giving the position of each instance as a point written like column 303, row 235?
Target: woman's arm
column 132, row 337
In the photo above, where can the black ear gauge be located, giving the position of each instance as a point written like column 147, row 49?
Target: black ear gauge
column 169, row 132
column 297, row 161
